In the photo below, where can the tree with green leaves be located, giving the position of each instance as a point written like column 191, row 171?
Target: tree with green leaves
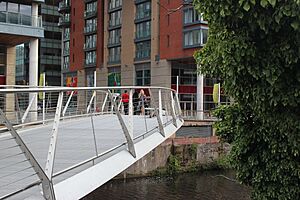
column 254, row 46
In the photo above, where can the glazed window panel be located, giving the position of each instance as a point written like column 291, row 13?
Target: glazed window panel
column 115, row 18
column 114, row 54
column 191, row 16
column 90, row 57
column 143, row 30
column 143, row 10
column 114, row 36
column 115, row 4
column 196, row 37
column 143, row 50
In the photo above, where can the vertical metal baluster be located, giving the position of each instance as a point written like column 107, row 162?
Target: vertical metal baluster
column 53, row 140
column 173, row 110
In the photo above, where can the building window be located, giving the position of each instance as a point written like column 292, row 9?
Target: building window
column 90, row 25
column 66, row 35
column 143, row 50
column 114, row 54
column 66, row 62
column 195, row 37
column 66, row 48
column 90, row 41
column 90, row 9
column 90, row 57
column 115, row 18
column 114, row 36
column 143, row 30
column 115, row 4
column 143, row 74
column 191, row 16
column 143, row 10
column 114, row 76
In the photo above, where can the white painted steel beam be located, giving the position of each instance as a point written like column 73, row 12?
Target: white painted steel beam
column 90, row 179
column 53, row 140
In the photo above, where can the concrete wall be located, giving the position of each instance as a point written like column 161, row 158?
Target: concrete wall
column 208, row 150
column 128, row 46
column 10, row 80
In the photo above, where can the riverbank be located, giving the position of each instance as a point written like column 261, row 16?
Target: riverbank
column 179, row 155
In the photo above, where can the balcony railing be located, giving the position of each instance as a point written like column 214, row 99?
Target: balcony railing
column 64, row 6
column 90, row 29
column 64, row 20
column 90, row 13
column 20, row 19
column 88, row 47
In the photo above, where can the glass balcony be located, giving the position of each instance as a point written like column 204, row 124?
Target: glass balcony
column 64, row 6
column 20, row 19
column 90, row 29
column 64, row 21
column 90, row 13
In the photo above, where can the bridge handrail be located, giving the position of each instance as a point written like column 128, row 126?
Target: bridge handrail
column 162, row 100
column 66, row 89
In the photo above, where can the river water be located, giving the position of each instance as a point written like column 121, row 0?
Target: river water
column 209, row 185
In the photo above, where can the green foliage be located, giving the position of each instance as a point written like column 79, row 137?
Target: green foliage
column 173, row 165
column 193, row 151
column 254, row 46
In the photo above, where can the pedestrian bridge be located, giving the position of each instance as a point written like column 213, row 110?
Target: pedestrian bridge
column 63, row 143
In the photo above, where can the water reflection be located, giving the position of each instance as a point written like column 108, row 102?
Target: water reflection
column 203, row 186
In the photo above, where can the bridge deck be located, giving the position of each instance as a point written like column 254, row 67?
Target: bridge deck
column 75, row 144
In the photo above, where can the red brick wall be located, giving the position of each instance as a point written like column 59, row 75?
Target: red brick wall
column 175, row 31
column 100, row 33
column 77, row 36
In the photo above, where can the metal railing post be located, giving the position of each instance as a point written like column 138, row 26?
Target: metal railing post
column 178, row 106
column 158, row 112
column 173, row 110
column 28, row 108
column 47, row 186
column 130, row 113
column 126, row 132
column 90, row 103
column 53, row 140
column 67, row 104
column 104, row 102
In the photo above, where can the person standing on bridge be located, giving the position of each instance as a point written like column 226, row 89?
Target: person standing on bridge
column 125, row 101
column 142, row 99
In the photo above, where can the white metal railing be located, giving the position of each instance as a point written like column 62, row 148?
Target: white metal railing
column 55, row 106
column 21, row 19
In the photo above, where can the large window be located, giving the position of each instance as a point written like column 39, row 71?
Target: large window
column 143, row 29
column 114, row 36
column 191, row 16
column 115, row 18
column 143, row 50
column 114, row 54
column 115, row 4
column 114, row 76
column 143, row 10
column 90, row 25
column 66, row 35
column 195, row 37
column 90, row 57
column 91, row 7
column 66, row 48
column 90, row 41
column 66, row 62
column 2, row 60
column 142, row 74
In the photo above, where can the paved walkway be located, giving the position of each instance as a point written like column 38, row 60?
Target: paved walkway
column 75, row 144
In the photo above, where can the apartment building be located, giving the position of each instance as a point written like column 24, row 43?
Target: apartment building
column 136, row 42
column 49, row 48
column 82, row 27
column 19, row 23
